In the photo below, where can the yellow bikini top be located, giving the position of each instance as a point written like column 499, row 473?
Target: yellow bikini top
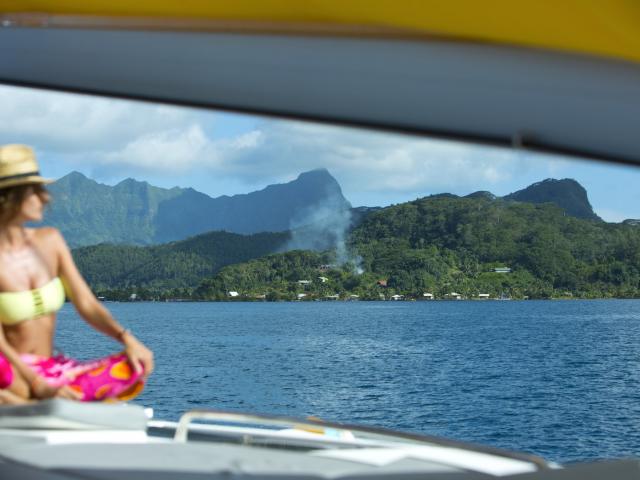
column 18, row 306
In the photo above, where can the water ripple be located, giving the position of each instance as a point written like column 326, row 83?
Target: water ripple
column 557, row 379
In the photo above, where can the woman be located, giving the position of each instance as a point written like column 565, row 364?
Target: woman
column 37, row 271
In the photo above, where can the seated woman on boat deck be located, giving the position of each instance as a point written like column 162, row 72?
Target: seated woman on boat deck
column 37, row 271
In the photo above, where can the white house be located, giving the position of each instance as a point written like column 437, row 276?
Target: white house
column 233, row 294
column 301, row 296
column 427, row 296
column 483, row 296
column 304, row 282
column 502, row 270
column 397, row 297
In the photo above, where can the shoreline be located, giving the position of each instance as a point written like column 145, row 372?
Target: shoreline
column 375, row 301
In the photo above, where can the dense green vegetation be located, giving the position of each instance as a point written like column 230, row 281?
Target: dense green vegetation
column 274, row 277
column 452, row 244
column 440, row 244
column 171, row 270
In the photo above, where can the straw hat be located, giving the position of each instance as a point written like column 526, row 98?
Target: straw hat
column 18, row 166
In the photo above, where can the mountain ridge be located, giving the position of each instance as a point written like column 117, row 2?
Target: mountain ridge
column 136, row 212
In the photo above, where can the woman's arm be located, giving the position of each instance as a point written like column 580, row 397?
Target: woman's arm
column 93, row 312
column 26, row 383
column 23, row 376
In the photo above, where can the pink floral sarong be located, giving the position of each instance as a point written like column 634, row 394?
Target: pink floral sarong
column 6, row 372
column 106, row 379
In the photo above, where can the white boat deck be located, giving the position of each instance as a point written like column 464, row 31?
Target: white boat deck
column 62, row 440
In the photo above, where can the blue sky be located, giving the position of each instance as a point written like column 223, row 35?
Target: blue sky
column 224, row 154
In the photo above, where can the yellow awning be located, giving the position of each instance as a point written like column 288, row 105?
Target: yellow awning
column 598, row 27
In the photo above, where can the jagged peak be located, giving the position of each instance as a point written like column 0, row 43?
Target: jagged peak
column 482, row 194
column 131, row 181
column 74, row 176
column 319, row 180
column 567, row 193
column 551, row 181
column 316, row 172
column 318, row 176
column 443, row 195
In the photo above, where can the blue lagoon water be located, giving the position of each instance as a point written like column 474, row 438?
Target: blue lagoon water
column 560, row 379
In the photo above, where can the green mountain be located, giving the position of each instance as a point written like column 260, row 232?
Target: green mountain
column 137, row 213
column 176, row 265
column 566, row 193
column 88, row 212
column 437, row 244
column 443, row 244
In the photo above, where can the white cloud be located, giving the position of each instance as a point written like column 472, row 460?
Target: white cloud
column 169, row 151
column 372, row 161
column 70, row 123
column 115, row 138
column 179, row 151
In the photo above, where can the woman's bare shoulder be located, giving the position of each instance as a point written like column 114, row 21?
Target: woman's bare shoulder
column 48, row 235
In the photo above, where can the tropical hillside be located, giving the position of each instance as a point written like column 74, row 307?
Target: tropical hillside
column 445, row 245
column 441, row 245
column 171, row 270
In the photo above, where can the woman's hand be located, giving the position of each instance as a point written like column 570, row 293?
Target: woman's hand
column 69, row 393
column 140, row 357
column 42, row 390
column 9, row 398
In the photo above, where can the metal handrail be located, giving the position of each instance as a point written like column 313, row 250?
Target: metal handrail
column 316, row 425
column 309, row 425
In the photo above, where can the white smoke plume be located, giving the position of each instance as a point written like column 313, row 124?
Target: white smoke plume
column 324, row 226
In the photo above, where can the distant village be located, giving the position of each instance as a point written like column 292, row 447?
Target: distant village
column 306, row 294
